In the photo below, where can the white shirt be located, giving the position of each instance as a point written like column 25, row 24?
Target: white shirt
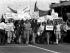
column 58, row 27
column 9, row 27
column 2, row 25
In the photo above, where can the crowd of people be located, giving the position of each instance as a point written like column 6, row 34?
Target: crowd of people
column 32, row 31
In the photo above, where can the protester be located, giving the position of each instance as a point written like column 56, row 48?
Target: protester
column 9, row 28
column 49, row 30
column 27, row 30
column 34, row 27
column 58, row 33
column 63, row 31
column 2, row 33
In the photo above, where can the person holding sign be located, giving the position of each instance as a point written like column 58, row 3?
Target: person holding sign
column 58, row 33
column 49, row 30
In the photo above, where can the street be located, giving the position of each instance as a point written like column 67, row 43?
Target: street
column 38, row 48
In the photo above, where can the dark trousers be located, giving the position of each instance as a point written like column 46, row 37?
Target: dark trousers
column 33, row 37
column 17, row 34
column 2, row 36
column 48, row 36
column 67, row 38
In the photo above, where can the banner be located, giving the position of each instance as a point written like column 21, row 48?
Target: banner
column 8, row 15
column 41, row 19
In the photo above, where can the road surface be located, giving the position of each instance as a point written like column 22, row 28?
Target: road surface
column 38, row 48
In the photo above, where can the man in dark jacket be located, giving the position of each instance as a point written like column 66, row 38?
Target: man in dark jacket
column 34, row 30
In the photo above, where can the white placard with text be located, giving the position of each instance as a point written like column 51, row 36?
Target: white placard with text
column 49, row 27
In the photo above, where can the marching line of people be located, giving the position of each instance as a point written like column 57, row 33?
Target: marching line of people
column 29, row 31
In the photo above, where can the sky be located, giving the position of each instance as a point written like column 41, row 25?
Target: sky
column 21, row 4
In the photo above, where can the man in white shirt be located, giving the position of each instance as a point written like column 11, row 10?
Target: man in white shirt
column 58, row 33
column 9, row 28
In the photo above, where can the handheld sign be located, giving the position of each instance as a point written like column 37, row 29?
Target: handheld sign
column 59, row 21
column 49, row 27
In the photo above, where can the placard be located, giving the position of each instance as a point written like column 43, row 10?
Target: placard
column 49, row 27
column 59, row 21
